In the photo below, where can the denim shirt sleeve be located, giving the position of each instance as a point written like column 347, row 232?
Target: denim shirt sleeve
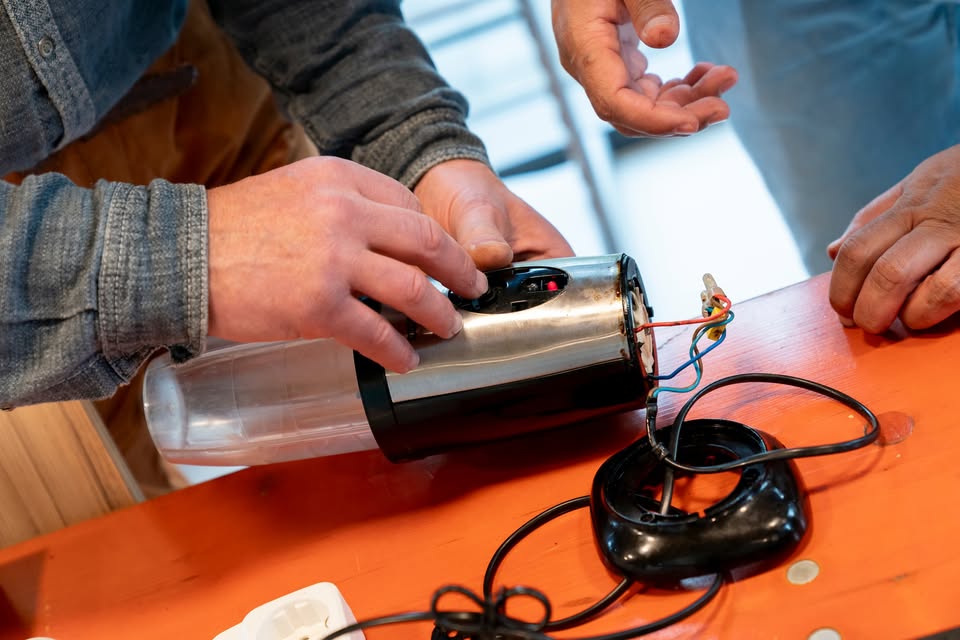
column 67, row 62
column 357, row 78
column 92, row 281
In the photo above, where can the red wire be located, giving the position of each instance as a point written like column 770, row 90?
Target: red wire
column 713, row 318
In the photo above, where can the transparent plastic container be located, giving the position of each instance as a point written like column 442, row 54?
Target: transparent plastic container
column 257, row 404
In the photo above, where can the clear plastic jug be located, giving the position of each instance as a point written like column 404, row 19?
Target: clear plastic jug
column 256, row 404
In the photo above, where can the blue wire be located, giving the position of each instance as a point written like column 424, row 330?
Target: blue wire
column 695, row 358
column 695, row 361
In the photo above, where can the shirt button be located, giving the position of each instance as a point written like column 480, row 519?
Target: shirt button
column 45, row 46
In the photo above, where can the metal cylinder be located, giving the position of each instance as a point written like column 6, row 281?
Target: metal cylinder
column 552, row 342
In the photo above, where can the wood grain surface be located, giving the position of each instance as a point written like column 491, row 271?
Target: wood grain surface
column 58, row 466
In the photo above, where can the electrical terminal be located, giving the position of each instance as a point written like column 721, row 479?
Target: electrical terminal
column 710, row 295
column 712, row 305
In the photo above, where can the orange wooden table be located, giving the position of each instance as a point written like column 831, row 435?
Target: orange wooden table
column 884, row 523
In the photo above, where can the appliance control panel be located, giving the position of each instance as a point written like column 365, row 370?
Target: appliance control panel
column 515, row 289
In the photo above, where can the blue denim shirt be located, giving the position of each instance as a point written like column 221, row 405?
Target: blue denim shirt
column 92, row 281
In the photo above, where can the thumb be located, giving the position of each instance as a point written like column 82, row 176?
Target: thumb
column 480, row 229
column 656, row 21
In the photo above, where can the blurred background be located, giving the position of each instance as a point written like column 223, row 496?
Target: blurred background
column 680, row 206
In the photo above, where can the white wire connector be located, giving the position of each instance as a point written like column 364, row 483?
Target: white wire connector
column 711, row 304
column 708, row 296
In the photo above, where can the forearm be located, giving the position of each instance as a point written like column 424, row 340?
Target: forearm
column 94, row 280
column 357, row 78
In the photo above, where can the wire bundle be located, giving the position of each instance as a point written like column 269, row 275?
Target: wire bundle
column 717, row 314
column 490, row 620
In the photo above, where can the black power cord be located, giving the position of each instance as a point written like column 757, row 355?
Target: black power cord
column 601, row 605
column 529, row 527
column 491, row 622
column 667, row 454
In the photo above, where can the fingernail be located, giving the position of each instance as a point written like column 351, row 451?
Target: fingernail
column 656, row 26
column 686, row 128
column 481, row 282
column 845, row 321
column 726, row 86
column 456, row 327
column 414, row 361
column 833, row 249
column 715, row 118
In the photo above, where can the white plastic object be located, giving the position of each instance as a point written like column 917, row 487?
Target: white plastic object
column 248, row 404
column 311, row 613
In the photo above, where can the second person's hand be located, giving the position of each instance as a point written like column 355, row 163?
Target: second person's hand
column 292, row 249
column 900, row 256
column 598, row 43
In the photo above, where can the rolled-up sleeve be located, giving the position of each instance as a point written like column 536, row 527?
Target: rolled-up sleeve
column 357, row 78
column 92, row 281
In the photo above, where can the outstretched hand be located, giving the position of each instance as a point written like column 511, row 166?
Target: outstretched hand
column 598, row 43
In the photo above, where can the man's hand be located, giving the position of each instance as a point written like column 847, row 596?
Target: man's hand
column 291, row 249
column 899, row 256
column 494, row 225
column 598, row 46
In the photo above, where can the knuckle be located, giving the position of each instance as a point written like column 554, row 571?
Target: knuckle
column 574, row 56
column 568, row 38
column 943, row 291
column 330, row 163
column 417, row 289
column 432, row 236
column 853, row 251
column 339, row 208
column 603, row 108
column 485, row 206
column 381, row 335
column 410, row 201
column 585, row 58
column 331, row 170
column 319, row 164
column 888, row 273
column 321, row 311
